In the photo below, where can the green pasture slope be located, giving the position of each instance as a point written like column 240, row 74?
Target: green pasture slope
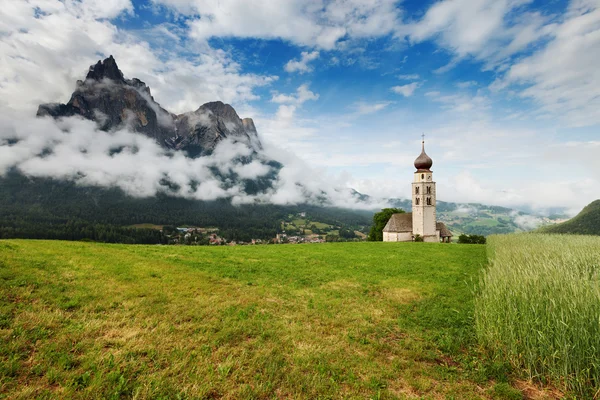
column 340, row 320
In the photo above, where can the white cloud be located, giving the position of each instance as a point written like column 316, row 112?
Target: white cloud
column 206, row 78
column 527, row 222
column 303, row 94
column 301, row 66
column 74, row 150
column 408, row 77
column 461, row 102
column 45, row 55
column 466, row 84
column 562, row 78
column 363, row 108
column 406, row 90
column 550, row 59
column 466, row 209
column 285, row 129
column 539, row 195
column 479, row 28
column 314, row 23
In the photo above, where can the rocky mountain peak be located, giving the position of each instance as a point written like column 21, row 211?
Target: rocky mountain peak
column 221, row 109
column 106, row 69
column 128, row 102
column 249, row 124
column 138, row 84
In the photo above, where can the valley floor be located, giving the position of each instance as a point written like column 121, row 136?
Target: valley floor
column 340, row 320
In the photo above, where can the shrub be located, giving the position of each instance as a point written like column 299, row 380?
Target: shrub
column 471, row 239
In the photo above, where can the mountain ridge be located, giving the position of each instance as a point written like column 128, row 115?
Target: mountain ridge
column 112, row 101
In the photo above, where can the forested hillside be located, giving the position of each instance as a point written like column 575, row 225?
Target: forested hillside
column 587, row 222
column 46, row 208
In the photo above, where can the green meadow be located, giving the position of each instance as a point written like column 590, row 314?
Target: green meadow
column 340, row 320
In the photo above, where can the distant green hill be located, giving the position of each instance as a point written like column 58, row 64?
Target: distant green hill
column 587, row 222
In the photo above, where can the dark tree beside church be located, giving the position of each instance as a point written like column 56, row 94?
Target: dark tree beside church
column 379, row 220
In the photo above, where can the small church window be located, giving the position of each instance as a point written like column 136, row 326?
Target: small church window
column 429, row 201
column 422, row 176
column 417, row 190
column 428, row 189
column 417, row 201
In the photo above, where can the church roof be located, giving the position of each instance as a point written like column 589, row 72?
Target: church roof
column 403, row 223
column 444, row 231
column 399, row 223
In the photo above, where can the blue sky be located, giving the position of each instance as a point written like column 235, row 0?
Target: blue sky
column 507, row 92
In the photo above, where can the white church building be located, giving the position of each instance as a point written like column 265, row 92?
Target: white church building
column 422, row 220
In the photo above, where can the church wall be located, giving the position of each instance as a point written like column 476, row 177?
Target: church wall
column 417, row 217
column 424, row 214
column 432, row 238
column 429, row 225
column 405, row 237
column 397, row 237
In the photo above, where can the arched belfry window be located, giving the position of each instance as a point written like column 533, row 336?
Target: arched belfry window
column 428, row 189
column 417, row 201
column 417, row 190
column 422, row 176
column 429, row 201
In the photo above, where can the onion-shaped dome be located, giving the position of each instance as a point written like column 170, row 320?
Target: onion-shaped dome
column 423, row 162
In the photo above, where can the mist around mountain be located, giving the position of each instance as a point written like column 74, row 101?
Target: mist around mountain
column 587, row 222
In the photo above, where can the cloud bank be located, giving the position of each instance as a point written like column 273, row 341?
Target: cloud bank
column 74, row 149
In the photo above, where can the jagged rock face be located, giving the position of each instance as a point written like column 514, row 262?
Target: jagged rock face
column 113, row 101
column 252, row 132
column 201, row 130
column 106, row 69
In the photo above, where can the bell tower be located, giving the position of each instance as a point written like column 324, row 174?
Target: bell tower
column 423, row 199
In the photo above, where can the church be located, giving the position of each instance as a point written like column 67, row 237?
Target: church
column 422, row 220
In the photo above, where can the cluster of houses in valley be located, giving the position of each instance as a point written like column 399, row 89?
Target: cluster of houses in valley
column 291, row 232
column 210, row 236
column 202, row 236
column 283, row 238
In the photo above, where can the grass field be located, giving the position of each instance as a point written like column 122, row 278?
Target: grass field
column 539, row 307
column 340, row 320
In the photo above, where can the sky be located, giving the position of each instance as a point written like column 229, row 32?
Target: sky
column 506, row 92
